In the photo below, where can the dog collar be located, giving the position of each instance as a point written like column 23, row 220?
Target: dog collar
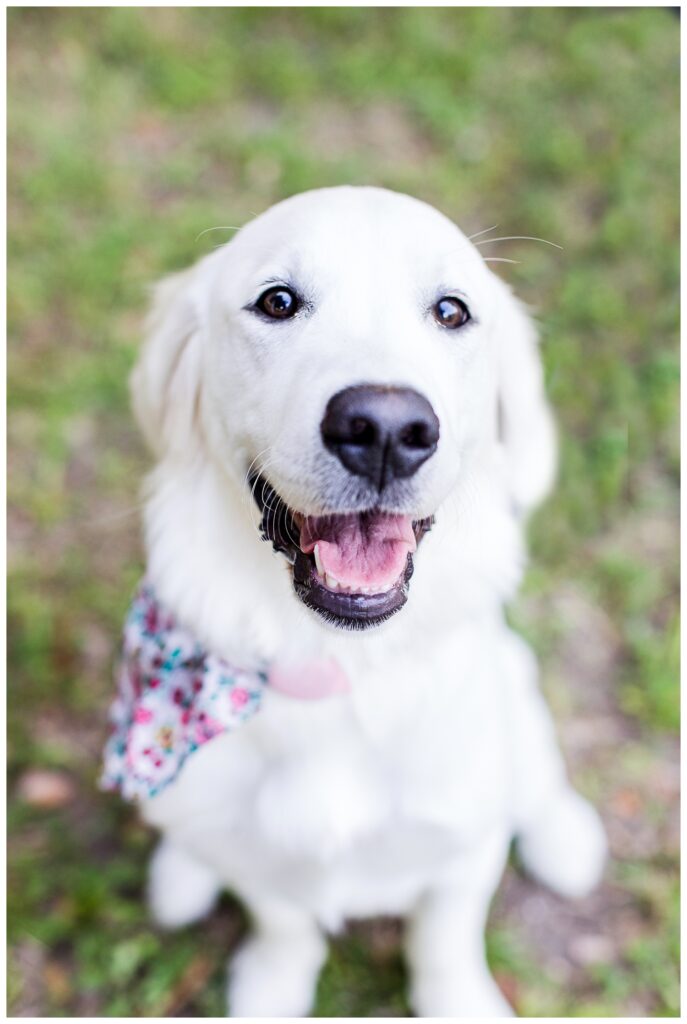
column 173, row 696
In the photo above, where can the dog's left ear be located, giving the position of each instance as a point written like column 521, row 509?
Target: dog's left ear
column 165, row 383
column 526, row 426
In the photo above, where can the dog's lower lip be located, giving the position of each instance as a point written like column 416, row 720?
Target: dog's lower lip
column 344, row 609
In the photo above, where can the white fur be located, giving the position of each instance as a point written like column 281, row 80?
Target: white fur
column 401, row 797
column 174, row 903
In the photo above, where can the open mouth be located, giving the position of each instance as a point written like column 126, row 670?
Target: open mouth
column 353, row 569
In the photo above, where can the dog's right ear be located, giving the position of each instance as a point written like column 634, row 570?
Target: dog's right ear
column 526, row 425
column 166, row 381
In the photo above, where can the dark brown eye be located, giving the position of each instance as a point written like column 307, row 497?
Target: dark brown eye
column 451, row 312
column 278, row 303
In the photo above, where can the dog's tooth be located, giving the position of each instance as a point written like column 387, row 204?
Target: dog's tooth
column 318, row 560
column 332, row 583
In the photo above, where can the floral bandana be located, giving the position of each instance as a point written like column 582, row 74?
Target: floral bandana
column 172, row 698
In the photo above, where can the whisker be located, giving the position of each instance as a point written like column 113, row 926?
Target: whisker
column 254, row 461
column 482, row 232
column 218, row 227
column 271, row 505
column 515, row 238
column 272, row 512
column 249, row 491
column 498, row 259
column 287, row 528
column 259, row 479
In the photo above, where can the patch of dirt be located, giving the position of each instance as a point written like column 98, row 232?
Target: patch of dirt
column 27, row 965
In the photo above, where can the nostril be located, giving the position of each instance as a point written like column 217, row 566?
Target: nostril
column 362, row 431
column 417, row 435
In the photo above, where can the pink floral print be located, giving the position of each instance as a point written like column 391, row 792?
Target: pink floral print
column 172, row 697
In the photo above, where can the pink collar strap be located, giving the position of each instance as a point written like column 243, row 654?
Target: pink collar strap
column 173, row 696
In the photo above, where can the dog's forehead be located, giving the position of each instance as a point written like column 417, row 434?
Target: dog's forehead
column 350, row 208
column 355, row 227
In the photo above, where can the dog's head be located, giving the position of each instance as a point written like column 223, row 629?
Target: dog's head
column 342, row 358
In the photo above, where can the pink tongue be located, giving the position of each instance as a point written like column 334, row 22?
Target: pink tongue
column 366, row 550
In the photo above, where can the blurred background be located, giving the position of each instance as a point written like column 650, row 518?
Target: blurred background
column 134, row 130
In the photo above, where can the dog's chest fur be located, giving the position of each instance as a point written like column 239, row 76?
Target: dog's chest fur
column 405, row 772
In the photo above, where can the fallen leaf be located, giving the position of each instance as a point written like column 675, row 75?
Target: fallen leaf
column 46, row 789
column 626, row 803
column 57, row 982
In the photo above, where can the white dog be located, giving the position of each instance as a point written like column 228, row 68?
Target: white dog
column 343, row 375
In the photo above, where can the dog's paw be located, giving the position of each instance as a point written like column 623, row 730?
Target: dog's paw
column 449, row 994
column 275, row 976
column 181, row 890
column 566, row 847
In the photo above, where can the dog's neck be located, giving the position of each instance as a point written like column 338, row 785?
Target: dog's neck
column 210, row 567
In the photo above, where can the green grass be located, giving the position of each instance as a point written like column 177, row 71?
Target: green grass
column 133, row 130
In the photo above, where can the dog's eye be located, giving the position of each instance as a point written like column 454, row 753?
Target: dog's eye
column 451, row 312
column 278, row 303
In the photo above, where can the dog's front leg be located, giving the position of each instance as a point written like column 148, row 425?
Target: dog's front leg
column 274, row 973
column 181, row 889
column 445, row 941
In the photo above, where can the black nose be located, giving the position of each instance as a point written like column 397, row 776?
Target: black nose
column 382, row 433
